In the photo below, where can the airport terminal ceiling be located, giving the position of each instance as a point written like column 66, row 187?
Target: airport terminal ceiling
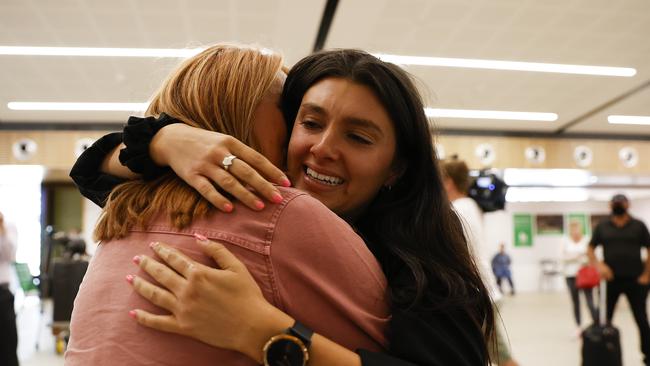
column 462, row 40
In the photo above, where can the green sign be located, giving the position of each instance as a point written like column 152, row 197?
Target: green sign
column 523, row 230
column 582, row 220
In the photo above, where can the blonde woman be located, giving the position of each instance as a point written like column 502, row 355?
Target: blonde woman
column 9, row 335
column 317, row 267
column 574, row 256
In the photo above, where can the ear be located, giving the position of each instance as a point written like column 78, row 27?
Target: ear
column 398, row 169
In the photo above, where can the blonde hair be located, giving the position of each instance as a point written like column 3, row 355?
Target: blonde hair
column 217, row 90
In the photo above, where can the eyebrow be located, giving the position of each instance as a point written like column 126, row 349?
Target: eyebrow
column 313, row 108
column 360, row 122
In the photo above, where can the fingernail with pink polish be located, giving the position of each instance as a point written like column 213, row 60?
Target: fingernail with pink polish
column 153, row 244
column 200, row 237
column 130, row 278
column 137, row 259
column 133, row 314
column 285, row 182
column 227, row 207
column 277, row 197
column 259, row 204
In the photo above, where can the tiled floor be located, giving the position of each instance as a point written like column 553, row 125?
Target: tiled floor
column 539, row 327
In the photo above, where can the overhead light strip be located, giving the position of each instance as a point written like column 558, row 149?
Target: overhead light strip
column 99, row 52
column 397, row 59
column 508, row 65
column 479, row 114
column 54, row 106
column 628, row 120
column 131, row 107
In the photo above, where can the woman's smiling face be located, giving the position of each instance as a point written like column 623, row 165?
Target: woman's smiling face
column 342, row 148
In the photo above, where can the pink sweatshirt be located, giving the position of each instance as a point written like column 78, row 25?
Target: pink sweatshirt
column 307, row 261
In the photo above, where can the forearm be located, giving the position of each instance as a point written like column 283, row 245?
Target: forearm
column 7, row 251
column 162, row 140
column 591, row 254
column 322, row 352
column 111, row 165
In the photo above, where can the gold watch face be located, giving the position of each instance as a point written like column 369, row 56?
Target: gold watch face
column 285, row 350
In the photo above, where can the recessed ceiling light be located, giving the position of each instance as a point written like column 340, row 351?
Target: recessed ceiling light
column 96, row 51
column 508, row 65
column 479, row 114
column 629, row 120
column 54, row 106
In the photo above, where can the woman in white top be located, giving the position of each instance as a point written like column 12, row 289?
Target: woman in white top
column 8, row 334
column 574, row 256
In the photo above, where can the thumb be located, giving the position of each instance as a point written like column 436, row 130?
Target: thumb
column 224, row 258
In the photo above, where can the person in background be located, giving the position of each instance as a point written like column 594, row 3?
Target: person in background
column 456, row 181
column 574, row 256
column 622, row 237
column 76, row 246
column 501, row 268
column 8, row 332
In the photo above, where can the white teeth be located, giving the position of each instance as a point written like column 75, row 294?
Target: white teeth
column 333, row 181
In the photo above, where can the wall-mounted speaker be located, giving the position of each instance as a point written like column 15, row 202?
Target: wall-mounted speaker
column 583, row 156
column 24, row 149
column 81, row 145
column 485, row 153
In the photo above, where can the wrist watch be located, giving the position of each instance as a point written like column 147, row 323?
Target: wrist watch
column 290, row 348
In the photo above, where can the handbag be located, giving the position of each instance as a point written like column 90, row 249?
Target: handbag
column 587, row 277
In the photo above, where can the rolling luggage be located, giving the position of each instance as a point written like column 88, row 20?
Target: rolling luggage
column 601, row 342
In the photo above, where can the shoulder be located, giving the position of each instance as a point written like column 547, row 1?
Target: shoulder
column 639, row 223
column 467, row 207
column 299, row 207
column 306, row 231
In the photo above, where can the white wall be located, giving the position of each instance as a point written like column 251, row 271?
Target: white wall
column 90, row 215
column 498, row 228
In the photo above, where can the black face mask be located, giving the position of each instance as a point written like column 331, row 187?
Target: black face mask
column 618, row 210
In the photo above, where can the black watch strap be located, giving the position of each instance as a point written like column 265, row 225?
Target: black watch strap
column 301, row 332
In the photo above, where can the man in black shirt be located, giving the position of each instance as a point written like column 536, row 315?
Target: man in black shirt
column 622, row 237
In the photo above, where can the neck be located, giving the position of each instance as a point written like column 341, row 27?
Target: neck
column 620, row 220
column 454, row 195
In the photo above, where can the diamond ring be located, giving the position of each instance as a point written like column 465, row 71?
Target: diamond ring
column 227, row 161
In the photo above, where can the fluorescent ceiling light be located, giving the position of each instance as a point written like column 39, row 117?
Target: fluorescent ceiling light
column 95, row 51
column 508, row 65
column 629, row 120
column 473, row 113
column 547, row 177
column 537, row 194
column 51, row 106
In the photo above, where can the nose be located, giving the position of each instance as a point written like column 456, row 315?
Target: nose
column 326, row 147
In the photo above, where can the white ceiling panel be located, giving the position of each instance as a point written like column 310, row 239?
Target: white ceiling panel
column 590, row 32
column 289, row 26
column 584, row 32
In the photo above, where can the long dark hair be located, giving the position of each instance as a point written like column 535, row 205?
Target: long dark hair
column 411, row 228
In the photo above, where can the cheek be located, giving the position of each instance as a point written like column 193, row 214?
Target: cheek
column 373, row 171
column 298, row 146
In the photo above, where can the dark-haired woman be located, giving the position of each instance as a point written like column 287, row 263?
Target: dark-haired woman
column 339, row 104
